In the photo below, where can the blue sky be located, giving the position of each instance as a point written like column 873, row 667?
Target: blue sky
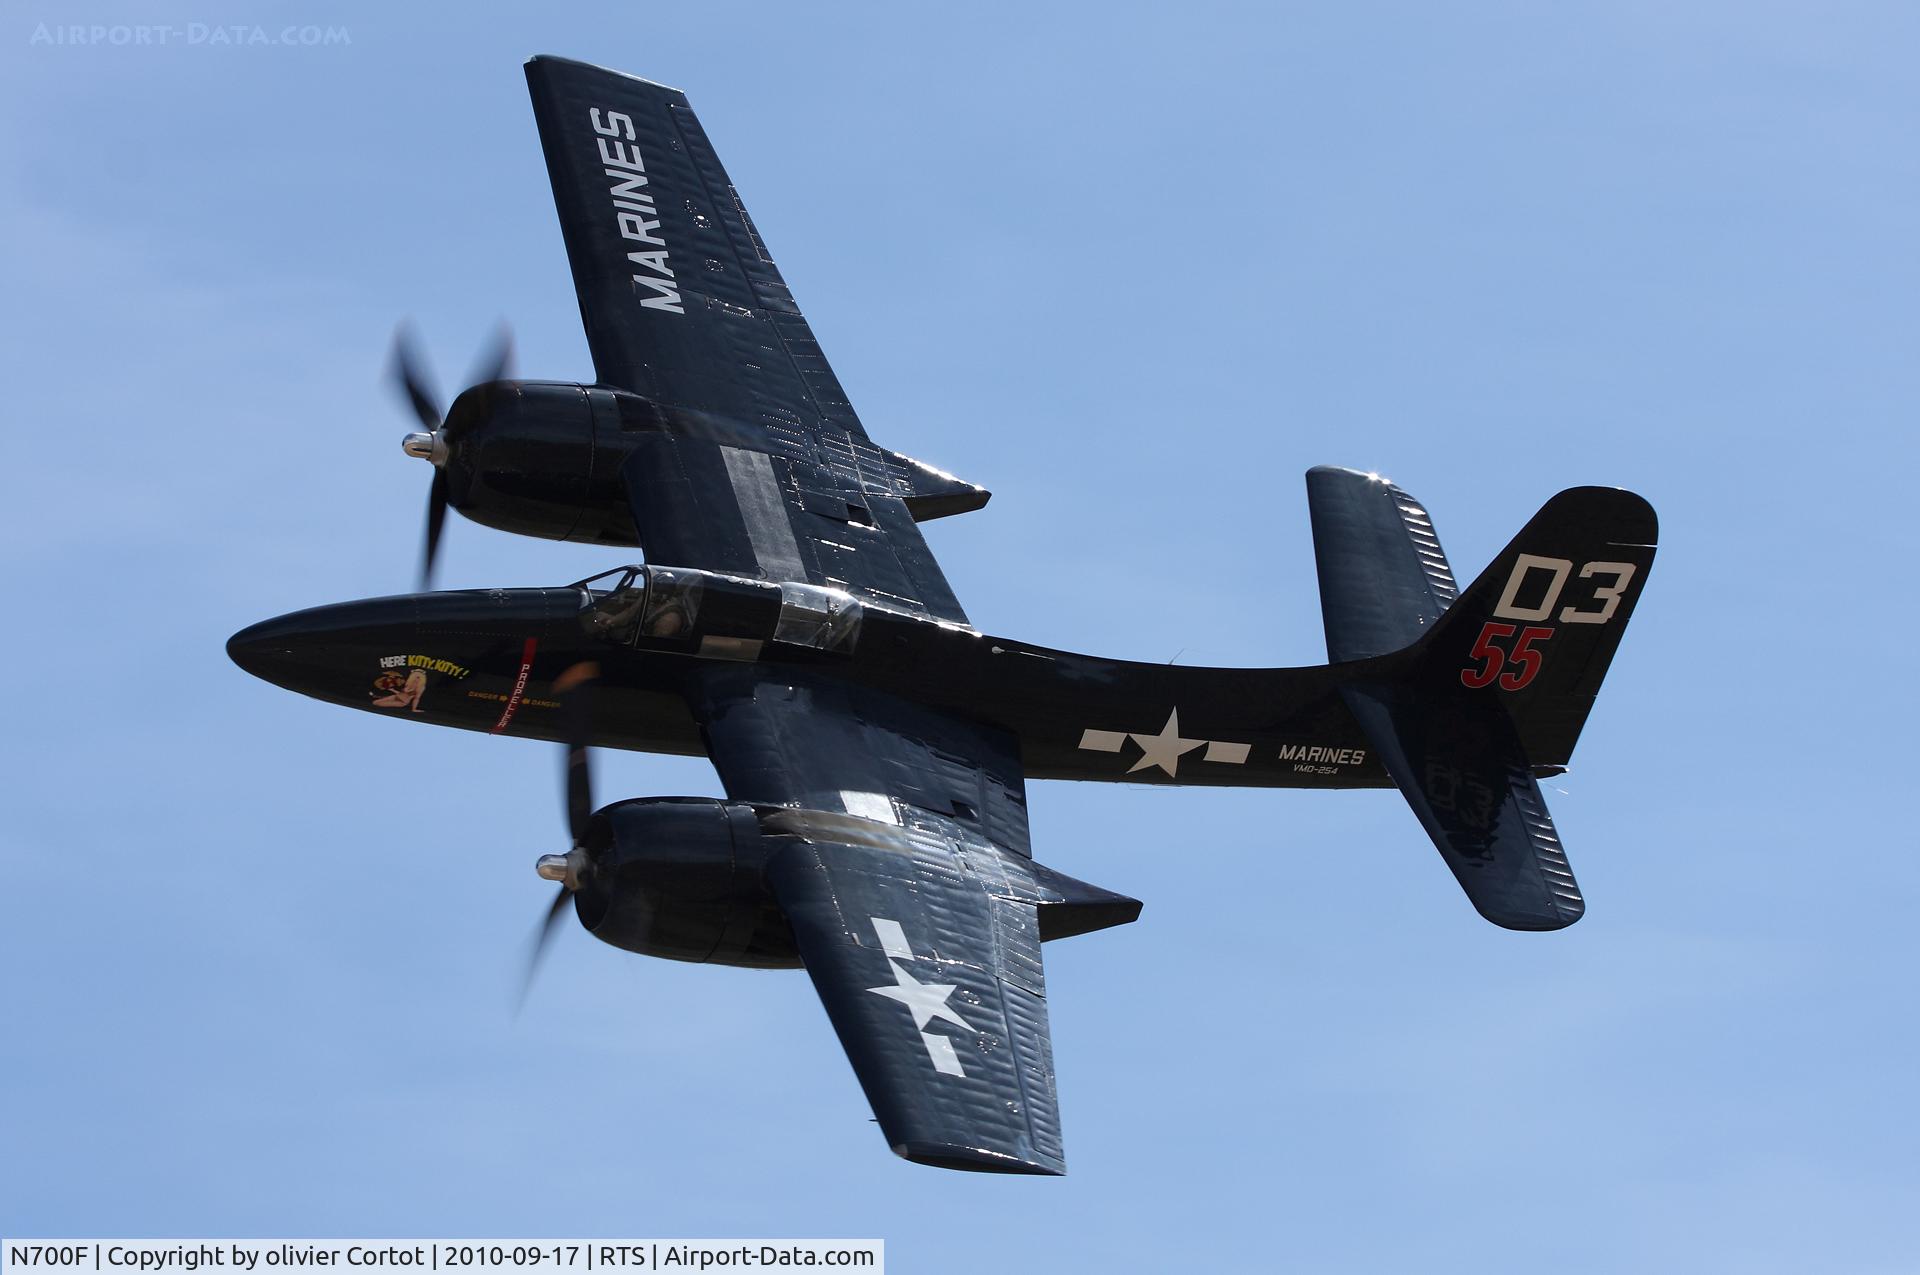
column 1135, row 269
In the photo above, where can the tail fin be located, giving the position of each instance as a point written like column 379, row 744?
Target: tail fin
column 1490, row 688
column 1538, row 629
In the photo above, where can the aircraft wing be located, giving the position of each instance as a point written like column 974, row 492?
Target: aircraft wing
column 748, row 458
column 917, row 913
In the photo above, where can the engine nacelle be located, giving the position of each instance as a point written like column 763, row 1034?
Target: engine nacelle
column 684, row 878
column 529, row 457
column 548, row 459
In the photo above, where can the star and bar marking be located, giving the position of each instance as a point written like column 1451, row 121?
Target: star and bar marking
column 1166, row 748
column 925, row 1001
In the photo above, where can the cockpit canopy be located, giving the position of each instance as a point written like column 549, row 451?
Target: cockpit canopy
column 616, row 604
column 713, row 614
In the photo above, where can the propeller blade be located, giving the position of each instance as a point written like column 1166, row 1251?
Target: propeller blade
column 496, row 360
column 410, row 375
column 541, row 939
column 573, row 689
column 494, row 364
column 436, row 519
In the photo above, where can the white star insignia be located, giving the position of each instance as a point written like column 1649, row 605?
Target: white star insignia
column 926, row 1001
column 1165, row 749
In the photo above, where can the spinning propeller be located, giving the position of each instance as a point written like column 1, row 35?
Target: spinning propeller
column 571, row 869
column 437, row 437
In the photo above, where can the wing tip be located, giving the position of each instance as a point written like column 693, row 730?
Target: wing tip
column 949, row 1155
column 1564, row 913
column 556, row 61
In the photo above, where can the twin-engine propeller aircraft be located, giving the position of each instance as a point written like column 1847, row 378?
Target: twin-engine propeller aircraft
column 791, row 624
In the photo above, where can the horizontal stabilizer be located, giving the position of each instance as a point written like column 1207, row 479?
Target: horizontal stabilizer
column 1384, row 580
column 1457, row 761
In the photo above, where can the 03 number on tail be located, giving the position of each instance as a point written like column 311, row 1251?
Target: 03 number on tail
column 1509, row 654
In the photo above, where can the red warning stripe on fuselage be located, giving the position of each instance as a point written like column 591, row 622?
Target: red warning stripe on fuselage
column 519, row 685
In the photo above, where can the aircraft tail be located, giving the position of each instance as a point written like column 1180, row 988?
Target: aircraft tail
column 1479, row 693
